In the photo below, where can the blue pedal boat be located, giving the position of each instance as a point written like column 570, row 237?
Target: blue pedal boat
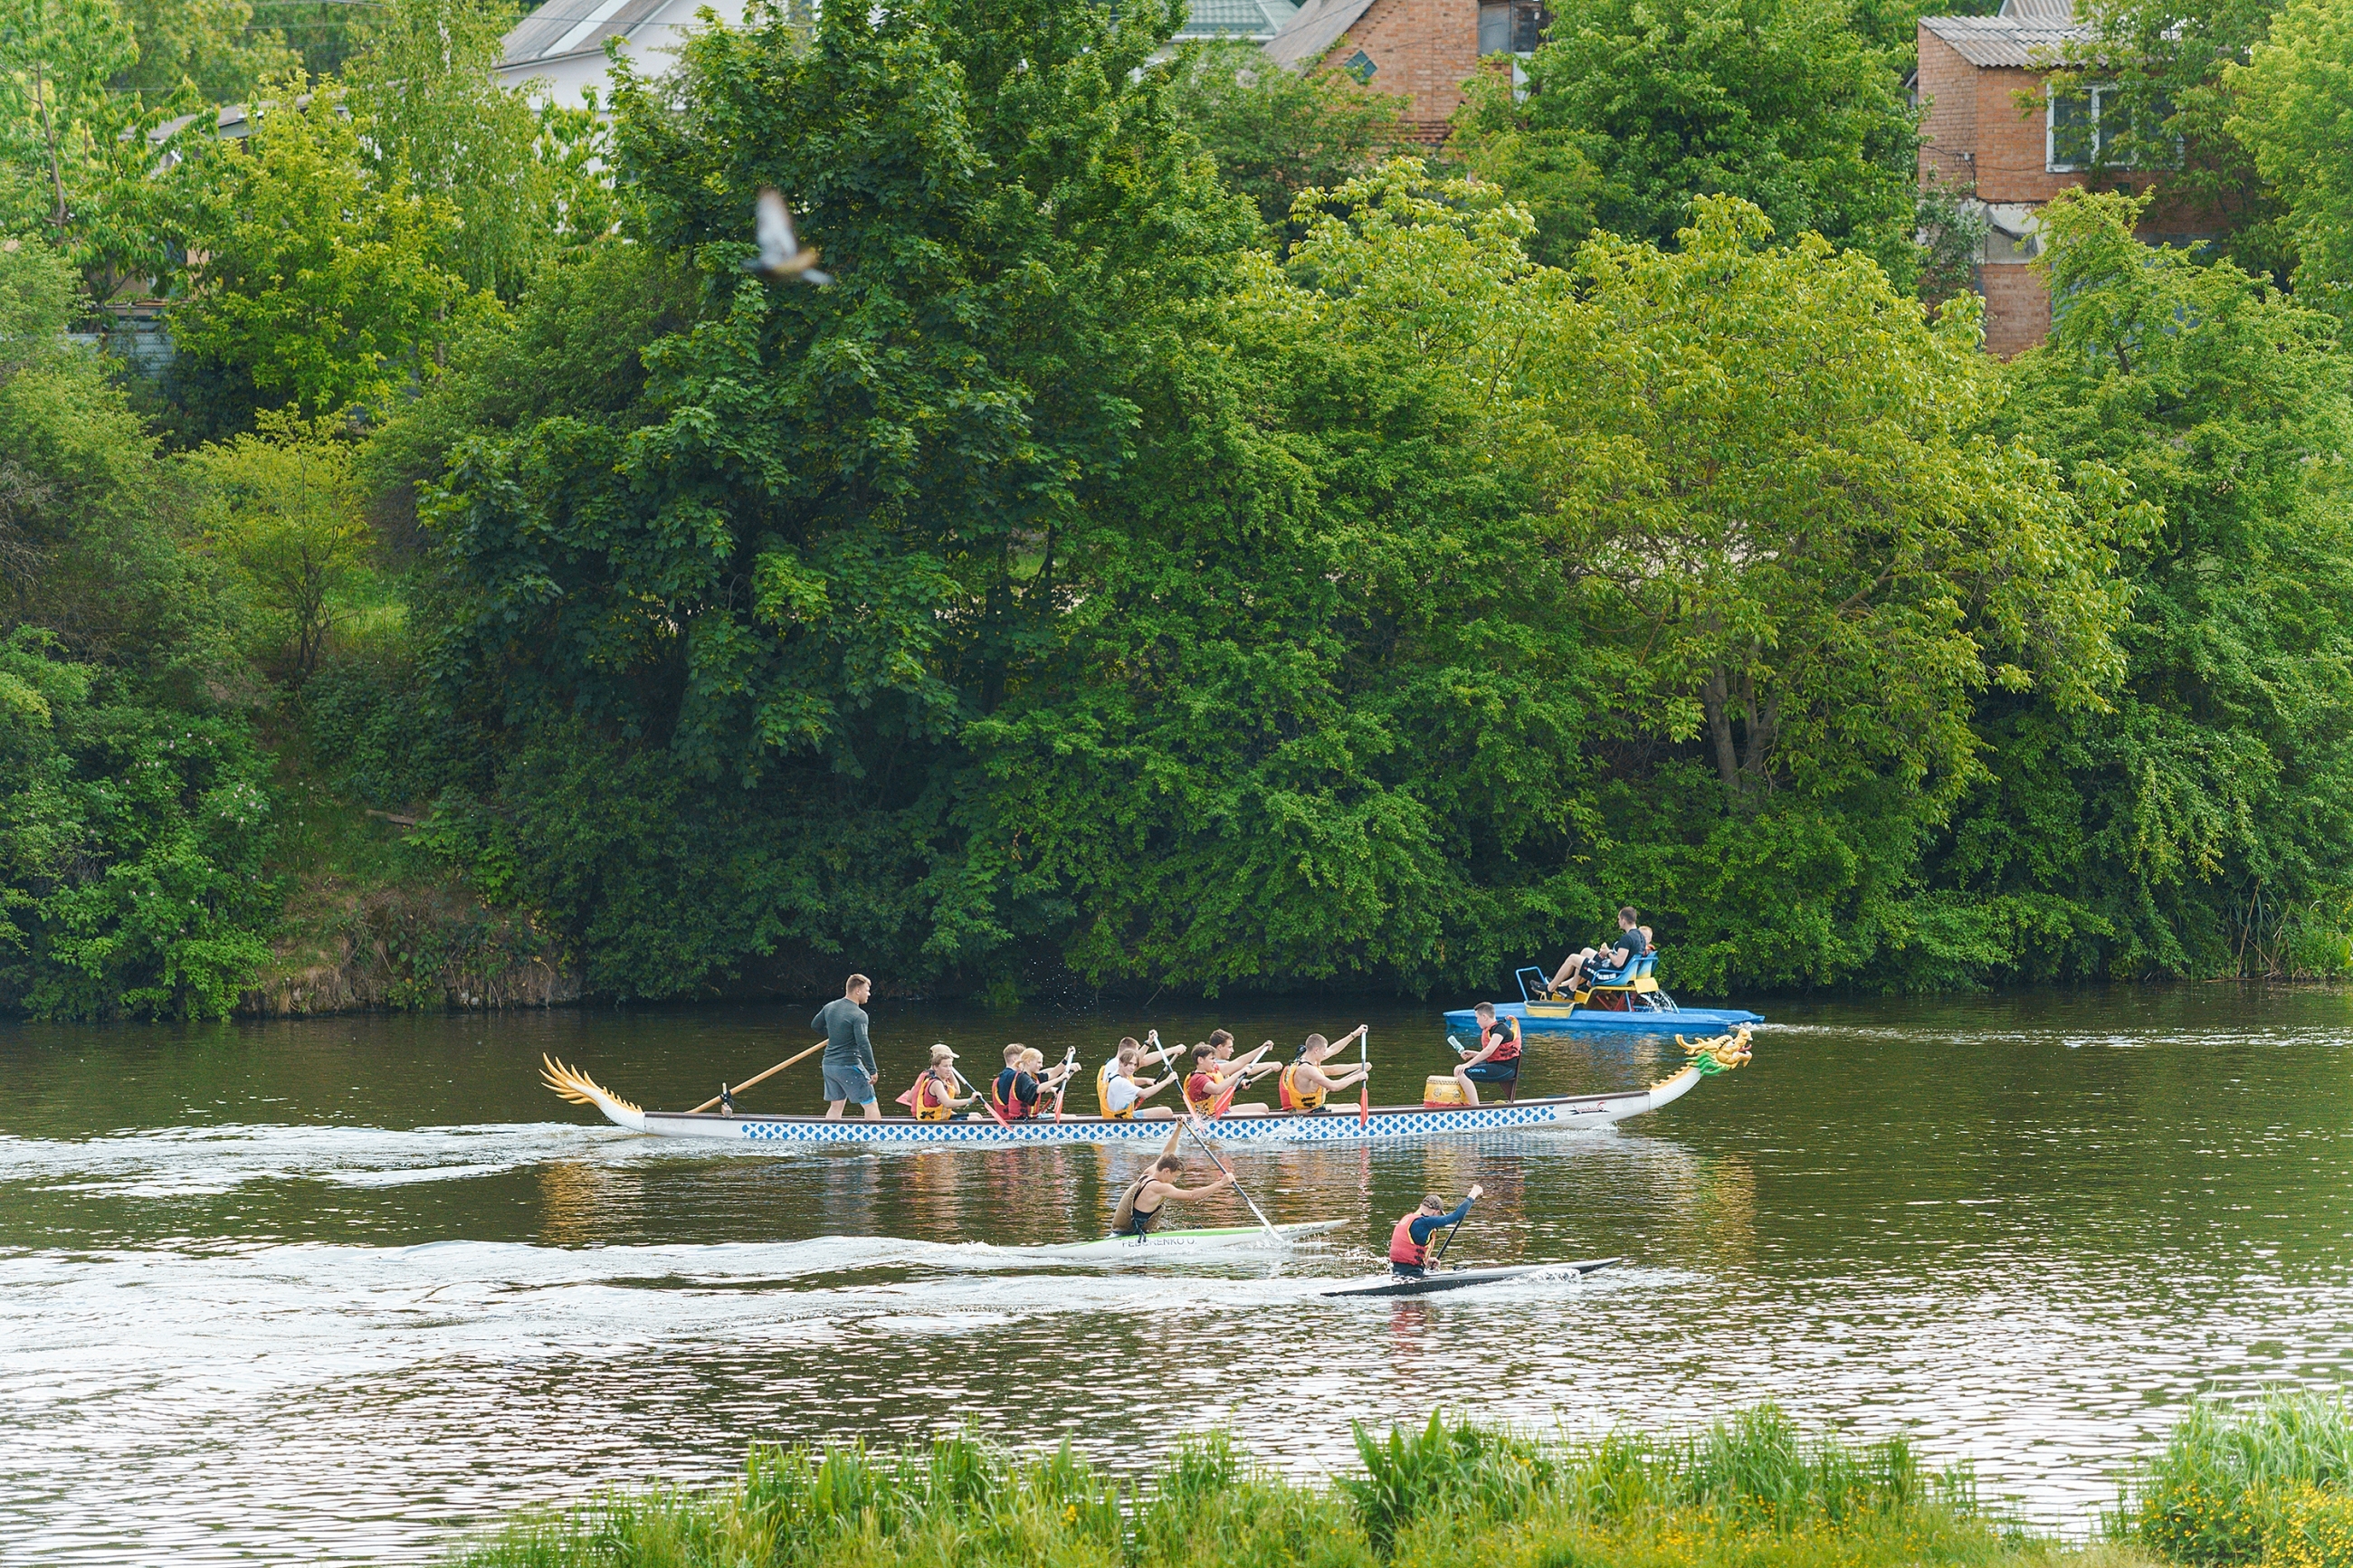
column 1628, row 1001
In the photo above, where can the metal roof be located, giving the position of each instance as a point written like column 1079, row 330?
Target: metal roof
column 561, row 28
column 2017, row 42
column 1309, row 36
column 1257, row 20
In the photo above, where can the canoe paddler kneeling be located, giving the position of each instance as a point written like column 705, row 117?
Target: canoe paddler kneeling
column 1139, row 1207
column 1304, row 1082
column 1217, row 1075
column 935, row 1097
column 1409, row 1242
column 1121, row 1089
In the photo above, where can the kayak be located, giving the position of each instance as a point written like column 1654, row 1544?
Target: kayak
column 1462, row 1278
column 1210, row 1239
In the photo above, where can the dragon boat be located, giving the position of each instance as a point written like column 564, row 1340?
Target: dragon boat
column 1627, row 1002
column 1379, row 1124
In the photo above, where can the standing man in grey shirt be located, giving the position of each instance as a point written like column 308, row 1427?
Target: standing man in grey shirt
column 848, row 1054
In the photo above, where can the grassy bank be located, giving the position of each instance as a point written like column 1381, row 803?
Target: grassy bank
column 1753, row 1491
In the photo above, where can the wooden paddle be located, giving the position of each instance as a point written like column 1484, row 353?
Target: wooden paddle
column 1365, row 1084
column 750, row 1081
column 1192, row 1125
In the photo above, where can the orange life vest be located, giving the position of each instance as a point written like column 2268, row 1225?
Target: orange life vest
column 1295, row 1098
column 1197, row 1094
column 1403, row 1247
column 929, row 1099
column 1508, row 1049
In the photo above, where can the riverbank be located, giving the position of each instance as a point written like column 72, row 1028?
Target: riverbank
column 1754, row 1491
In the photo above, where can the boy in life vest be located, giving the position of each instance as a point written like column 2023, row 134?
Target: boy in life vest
column 1122, row 1091
column 1409, row 1242
column 1214, row 1081
column 1014, row 1095
column 934, row 1098
column 1497, row 1058
column 1305, row 1082
column 1139, row 1207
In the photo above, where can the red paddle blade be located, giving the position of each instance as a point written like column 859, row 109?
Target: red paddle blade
column 1364, row 1104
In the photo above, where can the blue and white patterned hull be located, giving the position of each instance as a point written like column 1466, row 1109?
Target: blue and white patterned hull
column 1566, row 1113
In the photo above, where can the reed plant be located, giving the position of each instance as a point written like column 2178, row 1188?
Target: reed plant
column 2264, row 1483
column 1752, row 1492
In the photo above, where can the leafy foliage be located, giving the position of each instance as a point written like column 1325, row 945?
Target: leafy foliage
column 2293, row 111
column 1778, row 103
column 320, row 279
column 1276, row 133
column 285, row 511
column 2221, row 779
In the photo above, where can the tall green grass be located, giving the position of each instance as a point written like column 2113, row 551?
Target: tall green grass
column 2264, row 1483
column 1752, row 1492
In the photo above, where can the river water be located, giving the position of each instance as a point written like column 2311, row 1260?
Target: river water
column 343, row 1289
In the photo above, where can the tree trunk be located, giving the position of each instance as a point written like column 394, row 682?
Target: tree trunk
column 1715, row 699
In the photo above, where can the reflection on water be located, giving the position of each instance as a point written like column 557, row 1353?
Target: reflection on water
column 332, row 1289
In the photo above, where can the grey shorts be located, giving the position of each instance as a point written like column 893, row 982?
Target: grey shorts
column 849, row 1083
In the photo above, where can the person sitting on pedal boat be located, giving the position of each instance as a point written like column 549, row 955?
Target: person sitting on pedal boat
column 1140, row 1206
column 1631, row 942
column 1210, row 1087
column 1123, row 1091
column 1409, row 1242
column 1303, row 1084
column 1497, row 1059
column 935, row 1097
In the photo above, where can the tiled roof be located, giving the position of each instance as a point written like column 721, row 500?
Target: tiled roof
column 566, row 27
column 2008, row 41
column 1308, row 36
column 1259, row 20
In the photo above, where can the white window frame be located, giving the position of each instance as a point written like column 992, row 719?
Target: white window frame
column 2051, row 162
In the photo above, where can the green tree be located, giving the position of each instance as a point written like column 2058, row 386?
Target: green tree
column 2222, row 783
column 319, row 280
column 2292, row 111
column 211, row 45
column 132, row 820
column 92, row 169
column 440, row 125
column 1779, row 102
column 284, row 510
column 1276, row 133
column 766, row 602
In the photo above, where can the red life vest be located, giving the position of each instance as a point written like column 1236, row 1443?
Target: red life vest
column 1015, row 1109
column 1403, row 1247
column 1509, row 1050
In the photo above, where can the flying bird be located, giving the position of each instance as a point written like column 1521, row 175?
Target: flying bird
column 781, row 255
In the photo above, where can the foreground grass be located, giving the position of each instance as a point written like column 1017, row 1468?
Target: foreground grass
column 2268, row 1484
column 1753, row 1492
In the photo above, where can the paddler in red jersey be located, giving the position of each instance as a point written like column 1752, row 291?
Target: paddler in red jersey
column 1216, row 1075
column 1409, row 1242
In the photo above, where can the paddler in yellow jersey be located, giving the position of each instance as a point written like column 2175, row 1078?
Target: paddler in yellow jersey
column 1122, row 1091
column 1140, row 1205
column 1304, row 1082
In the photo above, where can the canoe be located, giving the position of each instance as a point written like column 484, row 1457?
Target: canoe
column 1461, row 1278
column 1210, row 1239
column 1386, row 1123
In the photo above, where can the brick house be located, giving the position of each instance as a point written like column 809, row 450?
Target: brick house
column 1993, row 135
column 1425, row 49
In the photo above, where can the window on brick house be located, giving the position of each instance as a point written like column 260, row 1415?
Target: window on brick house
column 2092, row 127
column 1514, row 27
